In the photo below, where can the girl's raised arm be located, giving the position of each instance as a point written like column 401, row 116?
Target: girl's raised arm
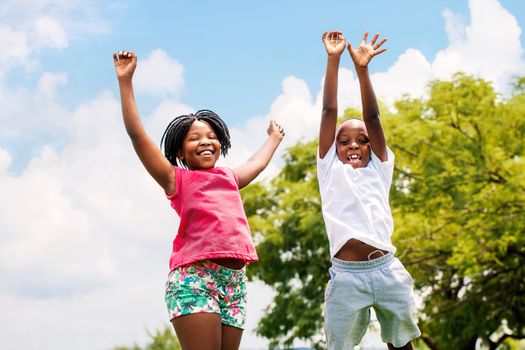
column 149, row 154
column 247, row 172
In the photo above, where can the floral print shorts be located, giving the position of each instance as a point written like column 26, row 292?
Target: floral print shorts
column 204, row 286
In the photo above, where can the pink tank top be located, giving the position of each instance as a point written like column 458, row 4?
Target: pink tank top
column 212, row 219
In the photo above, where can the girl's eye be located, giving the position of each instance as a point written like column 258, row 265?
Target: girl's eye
column 363, row 141
column 344, row 142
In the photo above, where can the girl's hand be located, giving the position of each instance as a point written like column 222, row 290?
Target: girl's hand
column 364, row 53
column 275, row 129
column 334, row 42
column 125, row 64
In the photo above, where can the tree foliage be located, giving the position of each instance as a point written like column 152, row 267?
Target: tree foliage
column 458, row 199
column 291, row 241
column 163, row 339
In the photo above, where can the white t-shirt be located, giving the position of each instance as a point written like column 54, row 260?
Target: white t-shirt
column 355, row 201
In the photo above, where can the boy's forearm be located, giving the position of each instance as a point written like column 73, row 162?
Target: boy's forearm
column 368, row 96
column 329, row 112
column 330, row 83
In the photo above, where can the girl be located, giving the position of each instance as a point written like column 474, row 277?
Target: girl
column 206, row 287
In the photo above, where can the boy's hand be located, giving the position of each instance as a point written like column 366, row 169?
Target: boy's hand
column 275, row 129
column 334, row 42
column 125, row 64
column 364, row 53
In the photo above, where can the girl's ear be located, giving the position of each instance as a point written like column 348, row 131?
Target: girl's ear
column 180, row 155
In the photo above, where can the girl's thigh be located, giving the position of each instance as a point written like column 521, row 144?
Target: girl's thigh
column 231, row 337
column 199, row 331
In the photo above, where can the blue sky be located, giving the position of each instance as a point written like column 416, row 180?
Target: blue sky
column 84, row 230
column 235, row 54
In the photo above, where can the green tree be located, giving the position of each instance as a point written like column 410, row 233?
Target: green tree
column 459, row 208
column 163, row 339
column 291, row 241
column 458, row 202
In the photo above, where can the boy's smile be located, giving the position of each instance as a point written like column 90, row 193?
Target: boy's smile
column 352, row 144
column 201, row 147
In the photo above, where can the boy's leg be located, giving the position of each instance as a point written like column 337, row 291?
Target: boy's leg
column 394, row 305
column 198, row 331
column 408, row 346
column 348, row 299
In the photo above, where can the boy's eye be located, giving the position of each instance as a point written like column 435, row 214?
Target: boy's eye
column 363, row 141
column 344, row 142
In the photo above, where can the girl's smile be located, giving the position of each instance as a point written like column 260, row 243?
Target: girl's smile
column 201, row 147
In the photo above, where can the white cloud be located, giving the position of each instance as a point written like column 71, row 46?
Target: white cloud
column 479, row 49
column 29, row 26
column 5, row 160
column 36, row 114
column 159, row 75
column 50, row 34
column 409, row 75
column 49, row 82
column 13, row 44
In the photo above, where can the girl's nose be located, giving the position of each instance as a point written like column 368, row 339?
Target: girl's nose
column 205, row 141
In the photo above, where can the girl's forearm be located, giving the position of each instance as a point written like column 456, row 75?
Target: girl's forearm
column 247, row 172
column 263, row 156
column 130, row 113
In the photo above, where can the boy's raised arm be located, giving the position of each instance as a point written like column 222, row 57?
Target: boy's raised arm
column 149, row 154
column 247, row 172
column 361, row 57
column 334, row 43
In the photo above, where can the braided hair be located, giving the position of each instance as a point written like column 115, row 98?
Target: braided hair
column 173, row 137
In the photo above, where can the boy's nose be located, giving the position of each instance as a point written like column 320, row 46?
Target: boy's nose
column 205, row 142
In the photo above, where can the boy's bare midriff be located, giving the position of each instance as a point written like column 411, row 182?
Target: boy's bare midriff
column 355, row 250
column 231, row 263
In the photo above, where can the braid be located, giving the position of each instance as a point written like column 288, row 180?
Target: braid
column 173, row 138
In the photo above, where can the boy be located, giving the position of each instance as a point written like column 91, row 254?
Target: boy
column 355, row 170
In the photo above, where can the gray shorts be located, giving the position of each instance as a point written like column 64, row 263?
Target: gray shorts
column 355, row 287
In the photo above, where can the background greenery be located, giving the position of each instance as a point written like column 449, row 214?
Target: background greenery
column 458, row 199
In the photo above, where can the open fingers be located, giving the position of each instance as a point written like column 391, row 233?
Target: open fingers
column 374, row 39
column 381, row 42
column 379, row 52
column 365, row 36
